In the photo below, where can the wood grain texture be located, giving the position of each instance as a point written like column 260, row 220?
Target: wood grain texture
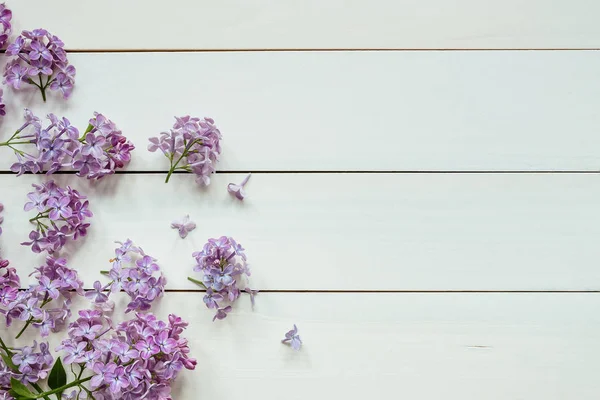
column 346, row 231
column 425, row 346
column 313, row 24
column 360, row 111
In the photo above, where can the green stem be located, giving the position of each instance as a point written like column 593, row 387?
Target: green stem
column 197, row 282
column 30, row 320
column 63, row 388
column 42, row 88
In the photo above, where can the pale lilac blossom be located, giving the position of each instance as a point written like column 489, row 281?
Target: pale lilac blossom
column 192, row 145
column 62, row 215
column 238, row 190
column 225, row 272
column 39, row 60
column 57, row 146
column 293, row 339
column 184, row 226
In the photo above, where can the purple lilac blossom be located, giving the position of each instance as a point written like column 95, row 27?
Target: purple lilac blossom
column 223, row 263
column 192, row 145
column 44, row 305
column 138, row 359
column 238, row 190
column 32, row 365
column 39, row 60
column 136, row 273
column 2, row 105
column 5, row 18
column 184, row 226
column 62, row 214
column 293, row 339
column 100, row 151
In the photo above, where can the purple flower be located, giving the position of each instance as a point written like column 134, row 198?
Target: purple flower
column 293, row 338
column 184, row 226
column 57, row 145
column 38, row 201
column 62, row 214
column 165, row 343
column 40, row 53
column 238, row 190
column 15, row 75
column 49, row 287
column 102, row 373
column 117, row 379
column 193, row 145
column 222, row 313
column 223, row 263
column 96, row 295
column 211, row 298
column 93, row 145
column 59, row 208
column 5, row 18
column 147, row 348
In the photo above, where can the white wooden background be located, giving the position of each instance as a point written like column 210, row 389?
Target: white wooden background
column 425, row 197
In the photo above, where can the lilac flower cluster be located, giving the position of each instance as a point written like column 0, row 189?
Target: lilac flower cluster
column 5, row 18
column 141, row 358
column 62, row 214
column 225, row 269
column 98, row 152
column 1, row 217
column 136, row 273
column 40, row 60
column 55, row 281
column 2, row 105
column 29, row 366
column 192, row 145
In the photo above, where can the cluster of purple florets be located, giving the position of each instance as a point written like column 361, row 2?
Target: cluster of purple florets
column 136, row 273
column 137, row 360
column 62, row 215
column 225, row 269
column 46, row 304
column 99, row 152
column 192, row 145
column 40, row 60
column 32, row 365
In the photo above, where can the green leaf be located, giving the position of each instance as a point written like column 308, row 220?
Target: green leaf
column 8, row 361
column 58, row 376
column 21, row 389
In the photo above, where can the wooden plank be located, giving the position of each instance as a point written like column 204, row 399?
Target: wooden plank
column 311, row 24
column 409, row 111
column 347, row 231
column 425, row 346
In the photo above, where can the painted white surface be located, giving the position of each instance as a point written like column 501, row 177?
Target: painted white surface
column 347, row 231
column 410, row 111
column 418, row 346
column 353, row 111
column 314, row 24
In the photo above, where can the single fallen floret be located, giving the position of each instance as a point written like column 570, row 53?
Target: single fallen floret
column 293, row 339
column 184, row 226
column 238, row 190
